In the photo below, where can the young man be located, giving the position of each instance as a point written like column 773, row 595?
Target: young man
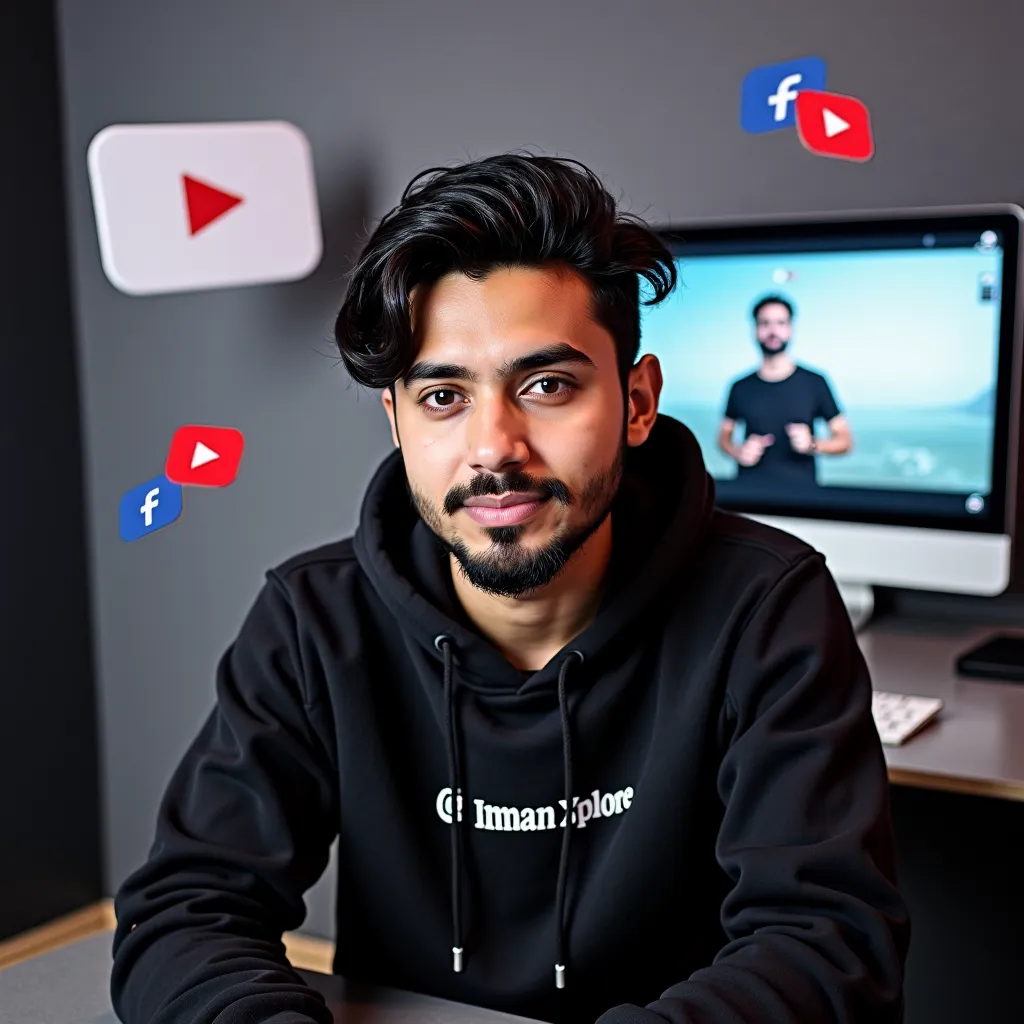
column 778, row 405
column 591, row 747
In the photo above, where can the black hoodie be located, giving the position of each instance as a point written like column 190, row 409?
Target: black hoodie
column 729, row 858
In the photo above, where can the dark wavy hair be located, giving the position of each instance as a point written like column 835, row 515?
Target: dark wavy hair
column 770, row 300
column 503, row 211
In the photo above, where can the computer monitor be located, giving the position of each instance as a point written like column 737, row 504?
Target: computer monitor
column 904, row 342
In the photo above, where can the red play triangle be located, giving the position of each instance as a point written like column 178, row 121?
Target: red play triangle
column 205, row 203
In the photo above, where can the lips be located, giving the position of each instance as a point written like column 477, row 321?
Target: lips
column 505, row 501
column 516, row 510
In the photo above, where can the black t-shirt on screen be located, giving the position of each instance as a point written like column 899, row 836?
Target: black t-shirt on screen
column 765, row 407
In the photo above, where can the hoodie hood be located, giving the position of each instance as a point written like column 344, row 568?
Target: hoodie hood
column 659, row 517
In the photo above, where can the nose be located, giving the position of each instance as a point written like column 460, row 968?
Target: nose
column 496, row 436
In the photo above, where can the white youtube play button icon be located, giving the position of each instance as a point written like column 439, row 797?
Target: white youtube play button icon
column 201, row 455
column 182, row 207
column 834, row 124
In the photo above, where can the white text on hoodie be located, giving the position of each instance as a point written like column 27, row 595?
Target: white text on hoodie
column 535, row 819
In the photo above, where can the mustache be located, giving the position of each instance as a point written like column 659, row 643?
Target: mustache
column 514, row 481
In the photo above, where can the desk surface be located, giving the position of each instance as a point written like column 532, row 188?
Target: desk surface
column 70, row 986
column 977, row 743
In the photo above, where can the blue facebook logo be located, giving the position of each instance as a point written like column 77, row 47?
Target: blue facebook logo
column 149, row 507
column 767, row 101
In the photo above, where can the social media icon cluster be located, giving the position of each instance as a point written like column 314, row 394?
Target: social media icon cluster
column 793, row 93
column 199, row 456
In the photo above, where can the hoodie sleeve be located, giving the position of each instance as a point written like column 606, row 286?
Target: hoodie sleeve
column 244, row 828
column 817, row 928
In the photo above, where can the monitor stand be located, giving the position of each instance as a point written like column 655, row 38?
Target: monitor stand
column 859, row 599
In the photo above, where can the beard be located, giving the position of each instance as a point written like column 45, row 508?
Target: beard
column 773, row 351
column 507, row 568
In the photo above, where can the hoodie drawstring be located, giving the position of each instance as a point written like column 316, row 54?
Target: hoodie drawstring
column 444, row 644
column 563, row 863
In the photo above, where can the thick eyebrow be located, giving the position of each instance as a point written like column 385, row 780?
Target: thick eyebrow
column 542, row 357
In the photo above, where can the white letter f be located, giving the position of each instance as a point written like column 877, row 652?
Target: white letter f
column 781, row 97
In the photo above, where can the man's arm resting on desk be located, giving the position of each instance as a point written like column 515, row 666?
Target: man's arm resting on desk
column 818, row 931
column 243, row 830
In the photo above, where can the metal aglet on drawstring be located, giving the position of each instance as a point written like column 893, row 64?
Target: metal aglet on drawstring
column 559, row 976
column 457, row 959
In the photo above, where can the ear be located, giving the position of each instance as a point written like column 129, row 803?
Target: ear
column 643, row 392
column 389, row 408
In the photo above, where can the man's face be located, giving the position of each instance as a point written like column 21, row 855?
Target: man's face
column 773, row 328
column 542, row 437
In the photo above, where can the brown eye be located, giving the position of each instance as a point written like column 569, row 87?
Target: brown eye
column 553, row 386
column 439, row 400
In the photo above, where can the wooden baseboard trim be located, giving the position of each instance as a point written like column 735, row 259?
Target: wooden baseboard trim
column 98, row 917
column 307, row 952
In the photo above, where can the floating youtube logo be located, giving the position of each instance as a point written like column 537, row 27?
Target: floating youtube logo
column 183, row 207
column 830, row 124
column 204, row 456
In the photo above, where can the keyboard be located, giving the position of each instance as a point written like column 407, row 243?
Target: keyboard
column 898, row 717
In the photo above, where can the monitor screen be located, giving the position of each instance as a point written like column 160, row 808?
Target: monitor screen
column 875, row 383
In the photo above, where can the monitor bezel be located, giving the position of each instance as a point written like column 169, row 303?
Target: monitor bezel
column 1008, row 217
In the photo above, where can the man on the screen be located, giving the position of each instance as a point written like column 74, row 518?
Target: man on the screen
column 778, row 405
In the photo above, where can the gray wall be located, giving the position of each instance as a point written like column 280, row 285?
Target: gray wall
column 645, row 91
